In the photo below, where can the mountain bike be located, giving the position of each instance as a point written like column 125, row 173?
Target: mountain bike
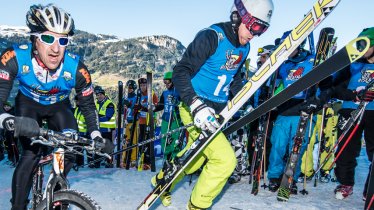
column 56, row 193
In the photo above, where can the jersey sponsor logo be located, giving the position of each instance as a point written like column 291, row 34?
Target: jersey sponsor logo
column 87, row 91
column 23, row 47
column 220, row 36
column 25, row 69
column 232, row 61
column 86, row 75
column 50, row 92
column 72, row 55
column 67, row 76
column 366, row 75
column 295, row 74
column 7, row 56
column 4, row 75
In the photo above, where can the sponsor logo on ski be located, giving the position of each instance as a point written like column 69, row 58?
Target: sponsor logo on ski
column 288, row 45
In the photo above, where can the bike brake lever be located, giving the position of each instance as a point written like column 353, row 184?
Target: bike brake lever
column 41, row 141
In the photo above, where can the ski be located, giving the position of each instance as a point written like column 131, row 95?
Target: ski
column 119, row 122
column 323, row 47
column 259, row 153
column 150, row 129
column 320, row 10
column 344, row 57
column 258, row 159
column 284, row 190
column 132, row 131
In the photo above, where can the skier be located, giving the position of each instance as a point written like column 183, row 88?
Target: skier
column 169, row 101
column 348, row 86
column 129, row 102
column 206, row 76
column 299, row 63
column 45, row 64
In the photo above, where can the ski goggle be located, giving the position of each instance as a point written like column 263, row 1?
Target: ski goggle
column 262, row 51
column 49, row 39
column 253, row 24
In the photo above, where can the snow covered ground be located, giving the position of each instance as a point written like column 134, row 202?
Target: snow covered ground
column 120, row 189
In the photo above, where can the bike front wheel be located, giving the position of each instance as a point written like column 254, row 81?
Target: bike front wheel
column 70, row 199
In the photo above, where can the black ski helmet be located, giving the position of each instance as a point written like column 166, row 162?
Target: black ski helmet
column 99, row 89
column 284, row 36
column 131, row 83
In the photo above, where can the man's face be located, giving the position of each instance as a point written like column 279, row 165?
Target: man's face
column 129, row 89
column 7, row 107
column 143, row 87
column 50, row 54
column 100, row 96
column 263, row 58
column 244, row 34
column 369, row 53
column 168, row 83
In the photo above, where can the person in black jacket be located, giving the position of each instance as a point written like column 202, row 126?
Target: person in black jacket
column 349, row 86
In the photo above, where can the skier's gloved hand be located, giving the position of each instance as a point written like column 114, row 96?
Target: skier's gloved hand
column 102, row 144
column 311, row 106
column 365, row 95
column 7, row 122
column 25, row 126
column 204, row 116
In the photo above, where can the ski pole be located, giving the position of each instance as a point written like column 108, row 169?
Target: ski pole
column 348, row 140
column 371, row 202
column 168, row 138
column 140, row 144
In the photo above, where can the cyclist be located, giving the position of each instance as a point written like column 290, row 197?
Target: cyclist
column 46, row 73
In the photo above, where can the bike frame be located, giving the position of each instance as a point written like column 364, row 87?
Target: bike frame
column 56, row 178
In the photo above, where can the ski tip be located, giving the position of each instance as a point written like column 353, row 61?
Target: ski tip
column 357, row 48
column 148, row 70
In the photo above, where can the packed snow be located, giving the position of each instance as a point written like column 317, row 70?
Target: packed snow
column 120, row 189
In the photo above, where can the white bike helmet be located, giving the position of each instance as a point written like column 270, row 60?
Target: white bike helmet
column 49, row 18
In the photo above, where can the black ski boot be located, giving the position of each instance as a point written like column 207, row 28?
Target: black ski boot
column 274, row 184
column 294, row 188
column 324, row 176
column 234, row 178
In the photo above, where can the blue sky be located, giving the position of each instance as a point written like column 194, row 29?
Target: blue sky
column 183, row 19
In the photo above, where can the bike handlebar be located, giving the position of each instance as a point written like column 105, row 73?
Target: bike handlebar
column 70, row 140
